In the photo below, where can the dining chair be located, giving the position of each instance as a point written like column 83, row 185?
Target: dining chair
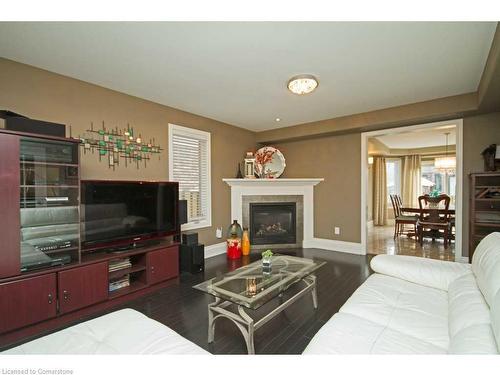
column 434, row 219
column 451, row 235
column 399, row 200
column 400, row 219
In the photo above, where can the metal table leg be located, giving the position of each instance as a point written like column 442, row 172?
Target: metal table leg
column 245, row 323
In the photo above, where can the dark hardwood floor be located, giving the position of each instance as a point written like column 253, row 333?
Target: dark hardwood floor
column 184, row 309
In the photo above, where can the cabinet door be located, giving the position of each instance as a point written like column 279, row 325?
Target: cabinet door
column 82, row 286
column 10, row 264
column 163, row 264
column 27, row 302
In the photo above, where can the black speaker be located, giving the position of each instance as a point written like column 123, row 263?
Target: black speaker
column 190, row 238
column 26, row 125
column 183, row 211
column 192, row 258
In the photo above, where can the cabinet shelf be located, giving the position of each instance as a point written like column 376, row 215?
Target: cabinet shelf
column 51, row 186
column 484, row 214
column 487, row 224
column 51, row 163
column 126, row 271
column 134, row 286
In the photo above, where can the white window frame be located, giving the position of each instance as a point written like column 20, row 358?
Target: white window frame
column 205, row 136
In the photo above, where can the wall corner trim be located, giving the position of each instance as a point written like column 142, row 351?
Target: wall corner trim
column 334, row 245
column 215, row 249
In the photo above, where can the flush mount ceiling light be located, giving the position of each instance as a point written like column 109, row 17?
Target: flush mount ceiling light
column 302, row 84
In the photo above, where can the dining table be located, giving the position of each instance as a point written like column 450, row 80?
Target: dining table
column 442, row 211
column 417, row 210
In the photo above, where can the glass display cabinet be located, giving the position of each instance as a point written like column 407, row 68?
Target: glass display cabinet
column 49, row 203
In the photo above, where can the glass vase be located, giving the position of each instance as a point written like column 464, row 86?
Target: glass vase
column 245, row 243
column 267, row 264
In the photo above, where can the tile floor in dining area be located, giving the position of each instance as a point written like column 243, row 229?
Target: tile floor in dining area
column 381, row 241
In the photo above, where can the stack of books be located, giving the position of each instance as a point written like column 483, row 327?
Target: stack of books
column 119, row 264
column 122, row 282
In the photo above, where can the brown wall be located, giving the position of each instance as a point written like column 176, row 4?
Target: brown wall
column 479, row 133
column 43, row 95
column 337, row 199
column 337, row 159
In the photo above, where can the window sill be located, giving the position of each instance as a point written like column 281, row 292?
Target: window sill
column 190, row 226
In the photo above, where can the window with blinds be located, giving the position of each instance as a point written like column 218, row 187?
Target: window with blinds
column 189, row 164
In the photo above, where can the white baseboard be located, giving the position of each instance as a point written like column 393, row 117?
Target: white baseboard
column 317, row 243
column 369, row 224
column 341, row 246
column 215, row 249
column 464, row 260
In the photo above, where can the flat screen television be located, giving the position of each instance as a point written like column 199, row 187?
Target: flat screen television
column 123, row 213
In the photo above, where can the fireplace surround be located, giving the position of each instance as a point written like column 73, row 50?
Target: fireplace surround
column 282, row 190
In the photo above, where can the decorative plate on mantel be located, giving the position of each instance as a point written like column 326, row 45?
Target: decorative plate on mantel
column 269, row 162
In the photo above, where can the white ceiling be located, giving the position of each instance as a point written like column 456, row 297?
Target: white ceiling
column 420, row 138
column 237, row 72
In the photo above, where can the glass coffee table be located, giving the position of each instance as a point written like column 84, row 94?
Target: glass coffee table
column 250, row 287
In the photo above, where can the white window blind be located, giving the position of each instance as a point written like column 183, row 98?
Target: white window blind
column 189, row 164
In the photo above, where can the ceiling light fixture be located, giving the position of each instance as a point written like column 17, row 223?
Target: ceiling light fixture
column 278, row 119
column 447, row 163
column 302, row 84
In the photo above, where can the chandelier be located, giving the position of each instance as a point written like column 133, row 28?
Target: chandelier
column 446, row 163
column 302, row 84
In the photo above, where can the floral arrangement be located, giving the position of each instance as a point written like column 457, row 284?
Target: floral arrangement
column 434, row 193
column 267, row 254
column 265, row 156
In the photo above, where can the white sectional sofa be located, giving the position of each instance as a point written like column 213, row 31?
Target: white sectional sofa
column 416, row 305
column 122, row 332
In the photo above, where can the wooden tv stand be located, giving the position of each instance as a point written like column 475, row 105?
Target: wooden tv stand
column 39, row 301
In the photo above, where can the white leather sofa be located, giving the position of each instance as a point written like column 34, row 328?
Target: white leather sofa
column 122, row 332
column 416, row 305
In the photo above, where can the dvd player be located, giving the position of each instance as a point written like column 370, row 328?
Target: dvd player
column 32, row 258
column 53, row 245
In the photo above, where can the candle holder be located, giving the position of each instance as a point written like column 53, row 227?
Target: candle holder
column 251, row 286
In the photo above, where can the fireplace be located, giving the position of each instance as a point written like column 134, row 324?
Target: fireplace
column 299, row 191
column 273, row 223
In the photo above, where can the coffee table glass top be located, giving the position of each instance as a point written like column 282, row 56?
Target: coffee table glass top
column 251, row 287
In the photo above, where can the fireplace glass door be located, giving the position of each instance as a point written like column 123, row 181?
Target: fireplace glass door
column 272, row 223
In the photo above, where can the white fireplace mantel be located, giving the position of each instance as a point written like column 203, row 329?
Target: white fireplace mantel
column 241, row 187
column 276, row 182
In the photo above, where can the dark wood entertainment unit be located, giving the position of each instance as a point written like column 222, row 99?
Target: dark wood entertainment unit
column 35, row 301
column 38, row 301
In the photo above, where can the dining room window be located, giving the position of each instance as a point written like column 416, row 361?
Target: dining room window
column 434, row 179
column 393, row 177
